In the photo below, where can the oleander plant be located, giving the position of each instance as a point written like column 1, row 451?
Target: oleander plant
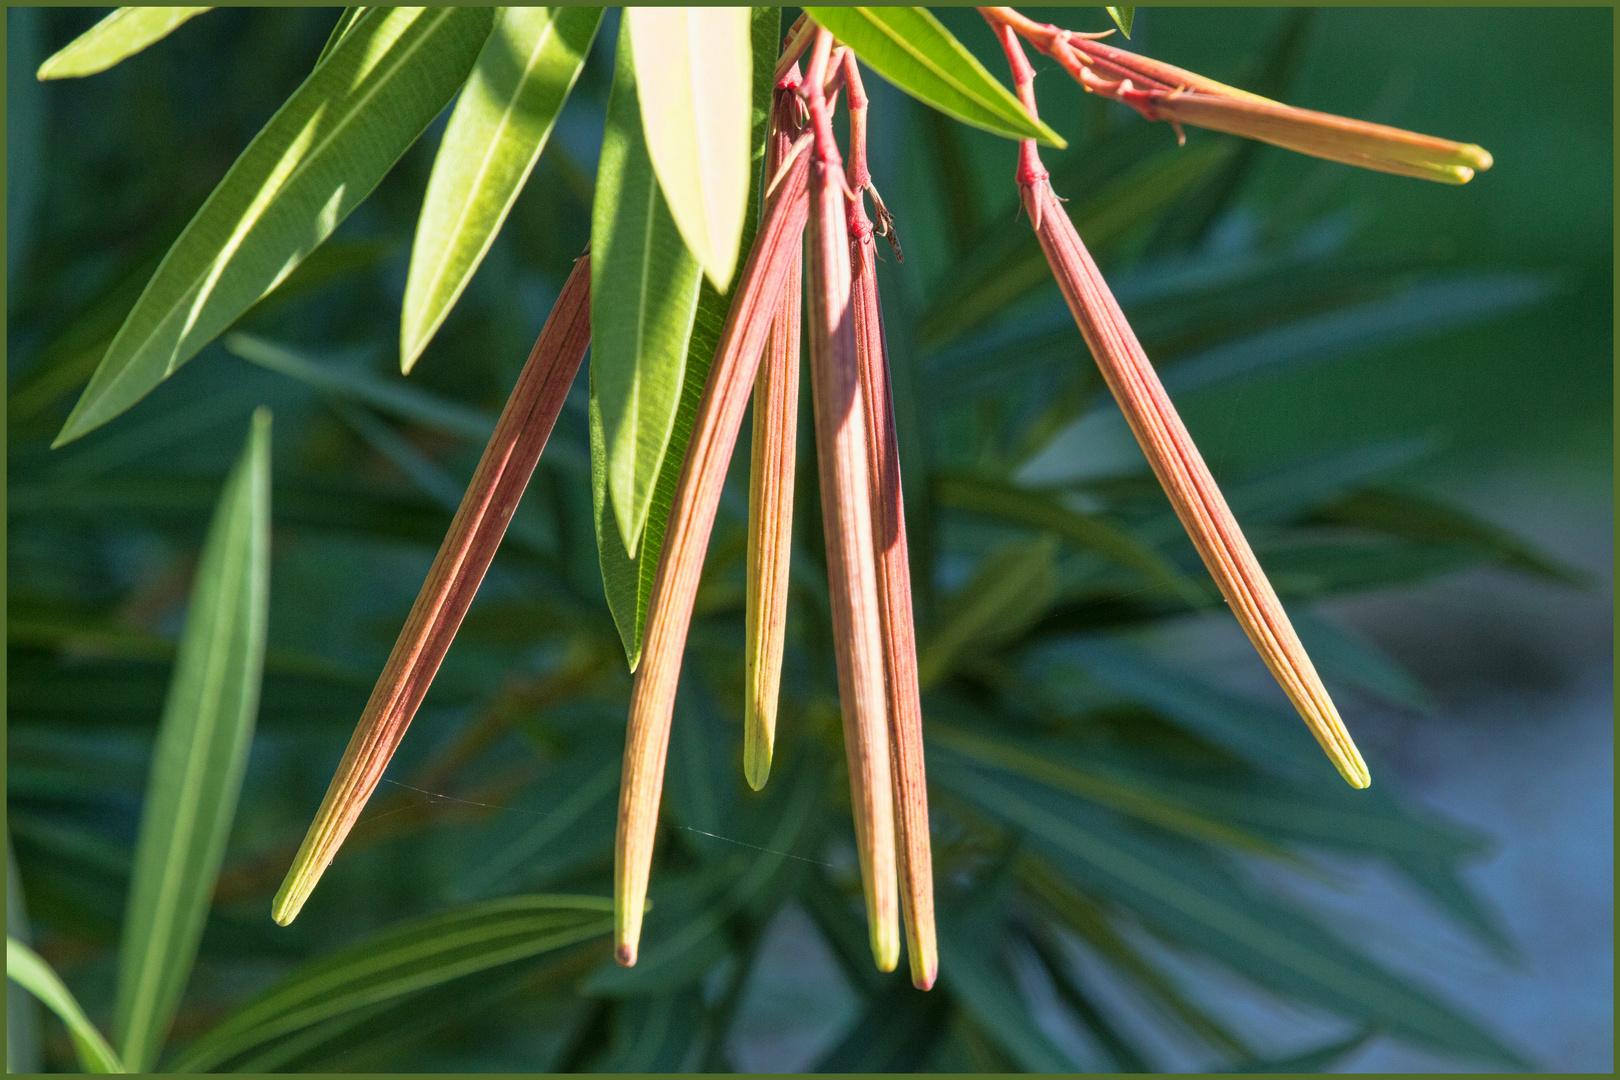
column 446, row 632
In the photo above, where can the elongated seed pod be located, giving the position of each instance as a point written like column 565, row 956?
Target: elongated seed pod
column 464, row 557
column 914, row 850
column 680, row 563
column 842, row 454
column 770, row 483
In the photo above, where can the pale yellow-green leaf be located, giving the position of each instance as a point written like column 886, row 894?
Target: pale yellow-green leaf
column 694, row 66
column 499, row 127
column 117, row 37
column 27, row 970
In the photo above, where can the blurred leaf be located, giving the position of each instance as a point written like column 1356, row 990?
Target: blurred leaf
column 495, row 135
column 1320, row 1060
column 119, row 36
column 654, row 1033
column 896, row 1032
column 406, row 959
column 1136, row 796
column 1087, row 532
column 628, row 579
column 200, row 756
column 996, row 1004
column 1340, row 653
column 1123, row 17
column 697, row 122
column 1417, row 518
column 914, row 51
column 1444, row 885
column 353, row 382
column 340, row 30
column 1007, row 265
column 1120, row 1050
column 644, row 291
column 27, row 970
column 316, row 159
column 1011, row 590
column 1206, row 909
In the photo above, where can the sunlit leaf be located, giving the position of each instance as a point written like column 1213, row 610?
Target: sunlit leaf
column 27, row 970
column 201, row 754
column 1123, row 17
column 496, row 133
column 628, row 579
column 117, row 37
column 644, row 291
column 697, row 65
column 345, row 23
column 314, row 162
column 913, row 50
column 405, row 959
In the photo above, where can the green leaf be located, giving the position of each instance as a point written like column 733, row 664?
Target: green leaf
column 1341, row 653
column 495, row 135
column 628, row 579
column 345, row 23
column 201, row 753
column 354, row 383
column 1123, row 17
column 405, row 959
column 644, row 291
column 314, row 162
column 27, row 970
column 914, row 51
column 117, row 37
column 1011, row 589
column 896, row 1032
column 696, row 123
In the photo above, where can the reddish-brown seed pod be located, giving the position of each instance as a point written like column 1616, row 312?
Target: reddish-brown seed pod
column 910, row 783
column 680, row 563
column 464, row 557
column 770, row 481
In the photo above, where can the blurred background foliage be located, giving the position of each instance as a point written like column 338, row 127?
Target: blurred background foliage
column 1341, row 344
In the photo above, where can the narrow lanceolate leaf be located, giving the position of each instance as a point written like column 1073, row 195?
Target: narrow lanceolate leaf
column 464, row 557
column 27, row 970
column 1123, row 18
column 347, row 986
column 645, row 281
column 314, row 162
column 628, row 579
column 201, row 752
column 117, row 37
column 892, row 566
column 846, row 510
column 680, row 563
column 499, row 127
column 770, row 491
column 910, row 48
column 696, row 124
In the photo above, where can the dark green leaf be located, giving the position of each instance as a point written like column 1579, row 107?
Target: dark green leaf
column 406, row 959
